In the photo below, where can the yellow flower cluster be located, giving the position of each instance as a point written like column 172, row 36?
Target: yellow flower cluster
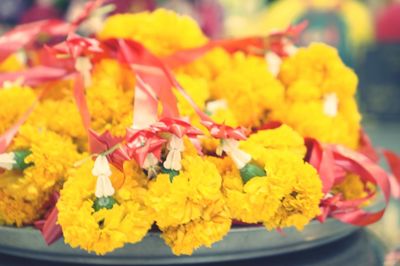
column 14, row 102
column 248, row 83
column 352, row 187
column 11, row 63
column 24, row 194
column 110, row 98
column 64, row 119
column 242, row 81
column 320, row 101
column 162, row 32
column 190, row 209
column 283, row 138
column 128, row 221
column 288, row 195
column 209, row 66
column 197, row 89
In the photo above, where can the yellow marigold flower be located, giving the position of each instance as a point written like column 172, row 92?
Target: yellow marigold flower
column 211, row 227
column 302, row 185
column 248, row 83
column 308, row 118
column 11, row 63
column 52, row 155
column 209, row 66
column 253, row 202
column 14, row 102
column 23, row 194
column 242, row 81
column 321, row 66
column 281, row 138
column 197, row 89
column 289, row 194
column 109, row 70
column 320, row 93
column 225, row 116
column 352, row 187
column 61, row 116
column 189, row 202
column 14, row 208
column 58, row 89
column 182, row 200
column 103, row 231
column 111, row 108
column 162, row 31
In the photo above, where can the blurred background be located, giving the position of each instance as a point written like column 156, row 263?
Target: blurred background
column 366, row 33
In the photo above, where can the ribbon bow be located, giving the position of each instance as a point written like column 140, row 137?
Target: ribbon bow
column 333, row 162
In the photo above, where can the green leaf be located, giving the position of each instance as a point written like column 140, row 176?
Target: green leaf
column 251, row 170
column 104, row 202
column 172, row 173
column 19, row 157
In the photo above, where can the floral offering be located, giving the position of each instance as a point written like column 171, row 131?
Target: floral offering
column 150, row 126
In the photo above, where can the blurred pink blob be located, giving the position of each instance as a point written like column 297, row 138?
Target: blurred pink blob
column 388, row 24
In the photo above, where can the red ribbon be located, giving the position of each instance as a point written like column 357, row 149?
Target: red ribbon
column 104, row 142
column 140, row 143
column 132, row 52
column 257, row 45
column 177, row 127
column 7, row 137
column 85, row 13
column 332, row 162
column 24, row 35
column 393, row 161
column 35, row 75
column 80, row 100
column 366, row 147
column 51, row 231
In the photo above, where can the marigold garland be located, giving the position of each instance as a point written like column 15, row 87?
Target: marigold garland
column 318, row 103
column 187, row 204
column 24, row 194
column 107, row 229
column 288, row 195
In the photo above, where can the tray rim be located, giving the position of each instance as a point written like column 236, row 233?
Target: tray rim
column 301, row 241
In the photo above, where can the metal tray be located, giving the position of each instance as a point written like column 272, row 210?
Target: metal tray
column 241, row 243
